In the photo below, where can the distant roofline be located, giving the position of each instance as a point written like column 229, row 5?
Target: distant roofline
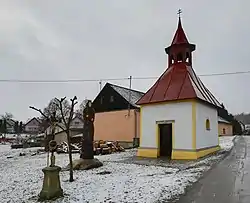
column 39, row 121
column 125, row 88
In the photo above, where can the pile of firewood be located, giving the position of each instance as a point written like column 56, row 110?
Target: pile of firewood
column 103, row 147
column 100, row 147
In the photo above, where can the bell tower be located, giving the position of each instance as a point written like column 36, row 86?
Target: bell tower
column 180, row 49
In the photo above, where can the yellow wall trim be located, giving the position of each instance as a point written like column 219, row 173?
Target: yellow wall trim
column 177, row 154
column 190, row 155
column 147, row 152
column 193, row 124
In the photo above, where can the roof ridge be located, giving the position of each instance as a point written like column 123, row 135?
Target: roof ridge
column 185, row 77
column 202, row 87
column 198, row 86
column 126, row 88
column 172, row 70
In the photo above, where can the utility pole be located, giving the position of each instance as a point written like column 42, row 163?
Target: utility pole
column 100, row 85
column 129, row 97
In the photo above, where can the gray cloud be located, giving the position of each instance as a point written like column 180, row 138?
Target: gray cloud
column 94, row 39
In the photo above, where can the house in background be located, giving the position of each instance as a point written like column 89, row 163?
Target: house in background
column 76, row 128
column 224, row 127
column 77, row 123
column 117, row 115
column 10, row 125
column 32, row 126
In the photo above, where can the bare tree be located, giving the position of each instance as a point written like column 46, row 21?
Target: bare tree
column 67, row 117
column 66, row 113
column 49, row 119
column 52, row 107
column 79, row 111
column 7, row 116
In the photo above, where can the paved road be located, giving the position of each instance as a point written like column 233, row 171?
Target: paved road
column 228, row 182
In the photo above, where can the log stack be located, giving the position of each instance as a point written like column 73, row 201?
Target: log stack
column 104, row 147
column 101, row 147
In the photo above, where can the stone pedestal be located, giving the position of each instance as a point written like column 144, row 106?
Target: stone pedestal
column 51, row 184
column 85, row 164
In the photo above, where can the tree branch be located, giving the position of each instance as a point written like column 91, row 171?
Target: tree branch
column 40, row 111
column 73, row 103
column 61, row 109
column 60, row 127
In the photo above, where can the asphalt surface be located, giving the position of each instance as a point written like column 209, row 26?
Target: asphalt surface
column 228, row 181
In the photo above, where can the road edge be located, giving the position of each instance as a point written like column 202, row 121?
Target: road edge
column 205, row 173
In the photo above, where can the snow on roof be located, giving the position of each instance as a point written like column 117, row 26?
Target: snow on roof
column 222, row 120
column 132, row 96
column 34, row 118
column 10, row 122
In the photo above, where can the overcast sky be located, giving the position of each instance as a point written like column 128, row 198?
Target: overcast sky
column 93, row 39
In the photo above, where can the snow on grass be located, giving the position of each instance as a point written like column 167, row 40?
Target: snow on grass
column 4, row 148
column 21, row 177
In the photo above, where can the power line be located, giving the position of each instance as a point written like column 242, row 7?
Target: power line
column 202, row 75
column 109, row 79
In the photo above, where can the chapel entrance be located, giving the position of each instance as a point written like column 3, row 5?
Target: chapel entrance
column 165, row 135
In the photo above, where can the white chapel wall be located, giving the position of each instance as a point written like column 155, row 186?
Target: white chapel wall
column 181, row 113
column 204, row 137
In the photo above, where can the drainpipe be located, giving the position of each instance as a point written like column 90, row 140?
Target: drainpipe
column 129, row 99
column 135, row 111
column 135, row 141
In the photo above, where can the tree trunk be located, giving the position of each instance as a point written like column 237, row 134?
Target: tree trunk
column 71, row 178
column 87, row 141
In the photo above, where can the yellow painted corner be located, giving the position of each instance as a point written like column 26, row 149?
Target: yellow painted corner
column 183, row 155
column 194, row 125
column 148, row 153
column 205, row 152
column 191, row 155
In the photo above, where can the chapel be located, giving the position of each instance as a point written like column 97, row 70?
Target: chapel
column 178, row 114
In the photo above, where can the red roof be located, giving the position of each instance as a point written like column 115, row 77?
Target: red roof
column 180, row 36
column 178, row 82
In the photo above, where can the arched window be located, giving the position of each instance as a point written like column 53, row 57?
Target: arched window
column 207, row 124
column 224, row 131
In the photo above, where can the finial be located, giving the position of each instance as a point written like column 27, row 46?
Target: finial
column 179, row 12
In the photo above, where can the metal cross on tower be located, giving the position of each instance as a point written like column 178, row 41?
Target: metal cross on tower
column 179, row 12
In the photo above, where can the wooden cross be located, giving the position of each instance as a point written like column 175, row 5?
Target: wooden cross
column 179, row 12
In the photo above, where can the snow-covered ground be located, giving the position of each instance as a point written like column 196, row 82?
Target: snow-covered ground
column 226, row 142
column 21, row 177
